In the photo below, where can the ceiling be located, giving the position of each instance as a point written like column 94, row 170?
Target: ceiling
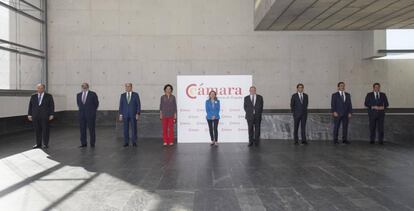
column 279, row 15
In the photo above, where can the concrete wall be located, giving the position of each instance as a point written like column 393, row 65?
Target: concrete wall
column 110, row 42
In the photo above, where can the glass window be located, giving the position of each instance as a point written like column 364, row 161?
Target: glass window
column 22, row 44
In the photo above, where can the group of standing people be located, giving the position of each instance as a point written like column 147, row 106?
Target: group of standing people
column 41, row 112
column 376, row 103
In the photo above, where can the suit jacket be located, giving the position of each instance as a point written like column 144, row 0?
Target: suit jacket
column 132, row 108
column 91, row 104
column 339, row 106
column 371, row 101
column 297, row 107
column 213, row 110
column 253, row 112
column 45, row 109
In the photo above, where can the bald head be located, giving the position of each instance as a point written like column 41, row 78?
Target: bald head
column 40, row 88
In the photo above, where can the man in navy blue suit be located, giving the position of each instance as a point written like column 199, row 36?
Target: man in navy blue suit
column 376, row 102
column 299, row 107
column 341, row 108
column 88, row 103
column 129, row 111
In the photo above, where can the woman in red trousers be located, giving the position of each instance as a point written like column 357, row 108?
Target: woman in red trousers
column 168, row 115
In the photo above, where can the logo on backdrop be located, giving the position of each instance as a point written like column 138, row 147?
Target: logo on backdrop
column 193, row 90
column 192, row 93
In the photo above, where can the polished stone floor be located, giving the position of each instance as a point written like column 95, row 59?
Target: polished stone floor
column 274, row 176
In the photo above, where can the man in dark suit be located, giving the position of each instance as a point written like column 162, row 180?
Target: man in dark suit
column 253, row 106
column 41, row 111
column 377, row 103
column 299, row 107
column 129, row 111
column 341, row 108
column 87, row 104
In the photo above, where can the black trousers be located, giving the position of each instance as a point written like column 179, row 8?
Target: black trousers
column 213, row 128
column 300, row 120
column 41, row 126
column 337, row 123
column 254, row 129
column 376, row 121
column 87, row 122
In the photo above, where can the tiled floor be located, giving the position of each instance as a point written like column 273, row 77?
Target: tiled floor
column 275, row 176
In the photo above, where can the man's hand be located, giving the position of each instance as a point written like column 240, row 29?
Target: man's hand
column 30, row 118
column 349, row 115
column 51, row 117
column 335, row 114
column 137, row 116
column 120, row 118
column 160, row 116
column 213, row 117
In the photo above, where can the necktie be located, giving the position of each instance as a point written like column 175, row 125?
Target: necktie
column 343, row 96
column 39, row 99
column 376, row 96
column 301, row 98
column 84, row 97
column 129, row 97
column 254, row 110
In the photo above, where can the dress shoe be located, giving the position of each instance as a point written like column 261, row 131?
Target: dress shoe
column 336, row 142
column 296, row 143
column 126, row 145
column 256, row 143
column 45, row 146
column 372, row 142
column 83, row 146
column 381, row 143
column 346, row 142
column 134, row 144
column 93, row 145
column 304, row 142
column 250, row 144
column 36, row 146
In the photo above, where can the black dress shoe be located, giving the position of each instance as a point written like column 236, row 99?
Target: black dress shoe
column 256, row 143
column 304, row 142
column 346, row 142
column 134, row 144
column 126, row 145
column 381, row 143
column 45, row 146
column 296, row 142
column 372, row 142
column 93, row 145
column 83, row 146
column 336, row 142
column 36, row 146
column 250, row 144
